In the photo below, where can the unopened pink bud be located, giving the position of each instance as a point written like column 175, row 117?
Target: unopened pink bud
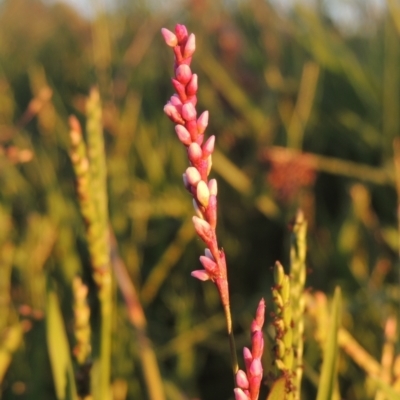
column 202, row 122
column 212, row 211
column 192, row 86
column 213, row 187
column 181, row 32
column 240, row 394
column 170, row 38
column 173, row 114
column 183, row 135
column 208, row 254
column 260, row 315
column 209, row 164
column 194, row 153
column 176, row 101
column 208, row 146
column 200, row 274
column 188, row 111
column 190, row 46
column 209, row 265
column 248, row 357
column 183, row 74
column 180, row 89
column 202, row 193
column 241, row 379
column 193, row 176
column 203, row 229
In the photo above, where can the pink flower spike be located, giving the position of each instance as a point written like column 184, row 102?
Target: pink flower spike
column 183, row 74
column 181, row 33
column 241, row 379
column 213, row 187
column 170, row 38
column 202, row 122
column 190, row 46
column 208, row 146
column 202, row 193
column 203, row 229
column 200, row 274
column 173, row 114
column 240, row 394
column 188, row 112
column 209, row 265
column 183, row 135
column 194, row 153
column 192, row 86
column 193, row 176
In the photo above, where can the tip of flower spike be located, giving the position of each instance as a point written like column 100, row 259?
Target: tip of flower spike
column 181, row 33
column 169, row 37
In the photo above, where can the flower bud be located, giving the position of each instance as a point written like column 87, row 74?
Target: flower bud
column 241, row 379
column 183, row 74
column 213, row 187
column 193, row 176
column 202, row 122
column 240, row 394
column 192, row 86
column 203, row 229
column 209, row 265
column 170, row 38
column 202, row 193
column 200, row 274
column 181, row 32
column 212, row 211
column 180, row 89
column 208, row 146
column 188, row 111
column 208, row 254
column 173, row 114
column 190, row 46
column 183, row 135
column 194, row 153
column 257, row 344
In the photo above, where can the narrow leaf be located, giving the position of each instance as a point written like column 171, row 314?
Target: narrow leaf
column 59, row 351
column 328, row 374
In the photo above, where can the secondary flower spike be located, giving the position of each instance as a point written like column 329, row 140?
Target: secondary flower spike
column 248, row 382
column 190, row 127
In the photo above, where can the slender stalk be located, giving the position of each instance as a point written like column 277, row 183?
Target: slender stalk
column 232, row 344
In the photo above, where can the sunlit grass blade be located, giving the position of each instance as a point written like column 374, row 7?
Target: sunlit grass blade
column 59, row 351
column 329, row 364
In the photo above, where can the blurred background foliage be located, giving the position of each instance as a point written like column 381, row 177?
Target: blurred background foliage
column 304, row 103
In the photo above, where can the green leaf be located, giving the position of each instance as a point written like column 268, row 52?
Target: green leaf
column 328, row 374
column 278, row 390
column 59, row 351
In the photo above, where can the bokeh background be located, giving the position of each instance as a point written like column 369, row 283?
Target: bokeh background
column 304, row 103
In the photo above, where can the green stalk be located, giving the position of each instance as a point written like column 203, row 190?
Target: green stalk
column 232, row 345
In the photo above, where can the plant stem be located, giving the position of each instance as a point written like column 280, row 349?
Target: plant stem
column 232, row 345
